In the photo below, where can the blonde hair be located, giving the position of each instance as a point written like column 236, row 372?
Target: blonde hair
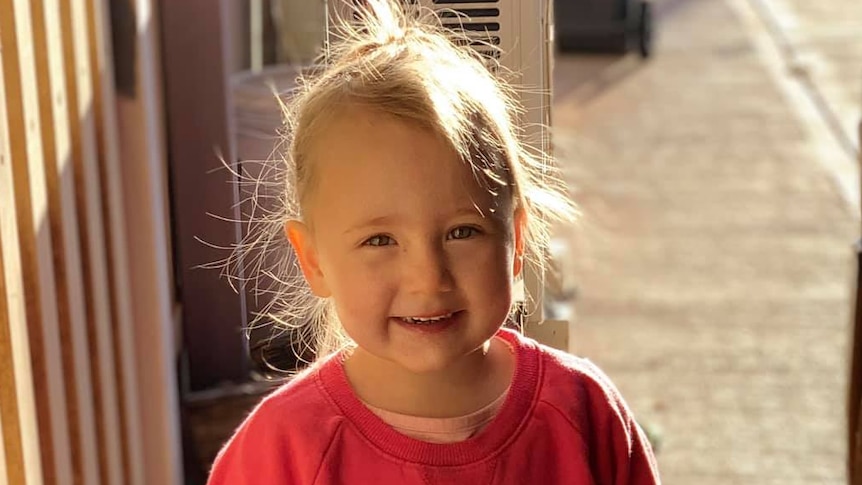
column 402, row 62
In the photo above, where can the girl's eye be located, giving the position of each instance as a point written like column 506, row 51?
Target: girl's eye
column 378, row 240
column 463, row 232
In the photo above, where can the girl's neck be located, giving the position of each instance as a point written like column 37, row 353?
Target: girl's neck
column 469, row 385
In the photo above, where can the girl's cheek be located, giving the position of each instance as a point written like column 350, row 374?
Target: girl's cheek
column 482, row 256
column 374, row 275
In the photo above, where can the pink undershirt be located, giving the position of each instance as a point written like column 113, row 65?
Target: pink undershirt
column 442, row 430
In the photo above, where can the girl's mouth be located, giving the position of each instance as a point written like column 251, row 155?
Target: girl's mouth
column 430, row 324
column 426, row 320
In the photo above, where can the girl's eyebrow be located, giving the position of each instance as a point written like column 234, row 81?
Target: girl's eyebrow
column 375, row 222
column 391, row 219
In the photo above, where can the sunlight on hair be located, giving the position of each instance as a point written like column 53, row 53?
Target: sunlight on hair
column 401, row 61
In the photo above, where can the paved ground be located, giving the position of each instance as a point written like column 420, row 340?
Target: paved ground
column 824, row 37
column 714, row 261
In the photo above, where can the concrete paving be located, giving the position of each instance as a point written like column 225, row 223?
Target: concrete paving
column 823, row 40
column 713, row 261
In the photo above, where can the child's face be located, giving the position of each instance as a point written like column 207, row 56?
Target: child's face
column 397, row 231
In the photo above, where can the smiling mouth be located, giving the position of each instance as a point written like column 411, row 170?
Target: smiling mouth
column 428, row 320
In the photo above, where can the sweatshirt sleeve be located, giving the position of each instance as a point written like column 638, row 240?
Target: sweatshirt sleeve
column 642, row 465
column 621, row 453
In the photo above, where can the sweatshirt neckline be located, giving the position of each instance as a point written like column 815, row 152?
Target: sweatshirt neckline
column 512, row 415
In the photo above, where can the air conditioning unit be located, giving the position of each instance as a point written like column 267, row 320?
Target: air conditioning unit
column 522, row 30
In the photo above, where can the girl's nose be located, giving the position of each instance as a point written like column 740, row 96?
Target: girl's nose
column 428, row 272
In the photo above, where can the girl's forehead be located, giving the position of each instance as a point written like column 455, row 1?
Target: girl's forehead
column 376, row 146
column 376, row 163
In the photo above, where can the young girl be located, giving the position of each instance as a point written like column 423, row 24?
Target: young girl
column 411, row 206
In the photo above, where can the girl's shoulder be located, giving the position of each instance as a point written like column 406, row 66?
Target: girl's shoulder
column 571, row 382
column 301, row 397
column 294, row 414
column 566, row 369
column 574, row 391
column 575, row 369
column 283, row 439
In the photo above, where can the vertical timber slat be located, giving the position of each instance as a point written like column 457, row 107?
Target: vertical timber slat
column 120, row 431
column 20, row 460
column 97, row 331
column 35, row 240
column 140, row 121
column 15, row 452
column 72, row 293
column 81, row 338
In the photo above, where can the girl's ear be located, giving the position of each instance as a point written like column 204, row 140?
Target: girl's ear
column 520, row 220
column 303, row 245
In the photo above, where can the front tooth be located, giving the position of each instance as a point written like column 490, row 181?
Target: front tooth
column 430, row 319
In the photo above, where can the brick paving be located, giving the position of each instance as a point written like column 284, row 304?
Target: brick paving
column 713, row 261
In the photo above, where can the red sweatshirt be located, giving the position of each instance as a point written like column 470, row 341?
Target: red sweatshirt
column 563, row 422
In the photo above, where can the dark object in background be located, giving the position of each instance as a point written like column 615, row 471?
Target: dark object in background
column 281, row 354
column 854, row 403
column 124, row 32
column 616, row 26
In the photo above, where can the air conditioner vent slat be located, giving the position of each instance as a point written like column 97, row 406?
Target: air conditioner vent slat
column 444, row 2
column 475, row 27
column 493, row 54
column 494, row 40
column 480, row 40
column 470, row 13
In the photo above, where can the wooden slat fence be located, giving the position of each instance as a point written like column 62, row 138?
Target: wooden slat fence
column 71, row 335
